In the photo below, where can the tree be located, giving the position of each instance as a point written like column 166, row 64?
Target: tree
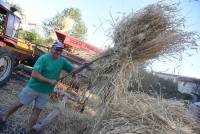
column 33, row 37
column 29, row 35
column 58, row 22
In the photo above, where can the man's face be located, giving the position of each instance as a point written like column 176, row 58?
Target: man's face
column 56, row 52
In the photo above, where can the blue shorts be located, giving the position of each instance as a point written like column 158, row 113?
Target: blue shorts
column 28, row 95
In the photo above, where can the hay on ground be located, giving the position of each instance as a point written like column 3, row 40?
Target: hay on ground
column 141, row 114
column 151, row 32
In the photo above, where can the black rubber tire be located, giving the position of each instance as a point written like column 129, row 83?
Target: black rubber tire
column 4, row 77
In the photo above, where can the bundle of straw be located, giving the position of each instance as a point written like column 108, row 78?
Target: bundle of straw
column 149, row 33
column 152, row 32
column 141, row 114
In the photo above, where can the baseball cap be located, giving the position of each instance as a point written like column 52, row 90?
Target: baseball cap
column 58, row 44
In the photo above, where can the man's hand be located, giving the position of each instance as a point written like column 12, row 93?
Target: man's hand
column 52, row 82
column 39, row 77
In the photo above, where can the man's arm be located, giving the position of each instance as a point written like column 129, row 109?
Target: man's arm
column 39, row 77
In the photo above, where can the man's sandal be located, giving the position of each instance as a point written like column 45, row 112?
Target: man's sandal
column 2, row 122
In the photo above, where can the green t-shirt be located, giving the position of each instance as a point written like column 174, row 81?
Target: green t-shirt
column 51, row 69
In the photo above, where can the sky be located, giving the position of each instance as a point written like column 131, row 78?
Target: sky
column 100, row 15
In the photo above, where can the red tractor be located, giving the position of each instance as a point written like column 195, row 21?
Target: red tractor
column 14, row 50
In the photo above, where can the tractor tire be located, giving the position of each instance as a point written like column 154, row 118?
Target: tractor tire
column 7, row 62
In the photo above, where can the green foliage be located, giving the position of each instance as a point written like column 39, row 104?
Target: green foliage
column 79, row 29
column 1, row 23
column 73, row 13
column 33, row 37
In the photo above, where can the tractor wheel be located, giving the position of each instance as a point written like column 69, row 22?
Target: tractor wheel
column 7, row 62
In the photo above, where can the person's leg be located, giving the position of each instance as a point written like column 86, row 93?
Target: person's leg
column 25, row 98
column 40, row 102
column 34, row 116
column 13, row 108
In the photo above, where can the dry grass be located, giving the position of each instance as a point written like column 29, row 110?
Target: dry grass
column 151, row 32
column 140, row 113
column 71, row 122
column 19, row 120
column 9, row 96
column 154, row 31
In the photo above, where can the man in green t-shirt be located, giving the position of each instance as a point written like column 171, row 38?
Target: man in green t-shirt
column 45, row 74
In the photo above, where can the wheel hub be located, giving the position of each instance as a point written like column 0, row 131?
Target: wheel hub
column 5, row 67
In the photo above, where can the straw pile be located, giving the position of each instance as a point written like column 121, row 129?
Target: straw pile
column 71, row 122
column 142, row 114
column 151, row 32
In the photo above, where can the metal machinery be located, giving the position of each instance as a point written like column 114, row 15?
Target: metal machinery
column 14, row 50
column 77, row 51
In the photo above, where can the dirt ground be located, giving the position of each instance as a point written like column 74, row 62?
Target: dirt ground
column 17, row 122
